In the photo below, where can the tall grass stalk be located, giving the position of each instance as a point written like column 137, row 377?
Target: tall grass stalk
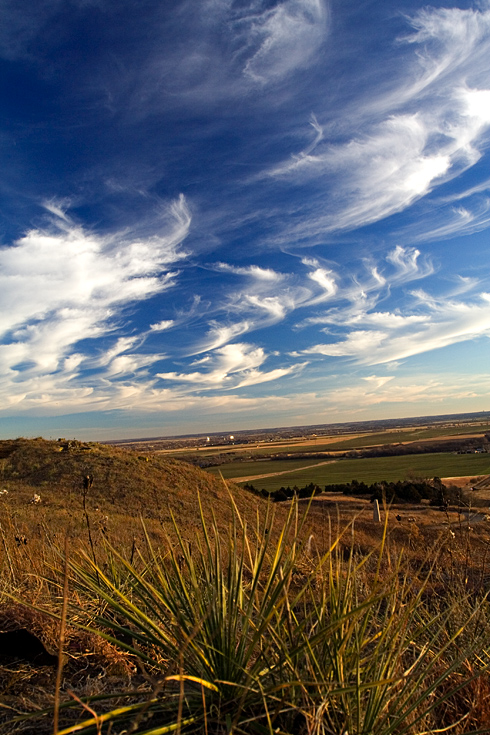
column 61, row 642
column 7, row 555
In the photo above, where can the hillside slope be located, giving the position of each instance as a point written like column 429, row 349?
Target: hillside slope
column 124, row 487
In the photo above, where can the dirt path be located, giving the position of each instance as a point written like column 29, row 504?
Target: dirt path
column 284, row 472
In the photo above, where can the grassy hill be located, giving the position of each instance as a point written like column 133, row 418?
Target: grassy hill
column 125, row 487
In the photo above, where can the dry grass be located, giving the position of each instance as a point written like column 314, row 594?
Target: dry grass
column 445, row 554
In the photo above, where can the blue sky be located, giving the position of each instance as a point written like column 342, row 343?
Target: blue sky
column 227, row 214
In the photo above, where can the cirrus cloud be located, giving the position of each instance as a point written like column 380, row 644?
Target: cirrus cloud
column 64, row 285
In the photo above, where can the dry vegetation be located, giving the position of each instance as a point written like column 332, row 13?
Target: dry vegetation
column 217, row 617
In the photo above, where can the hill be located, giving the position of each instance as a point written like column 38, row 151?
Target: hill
column 49, row 487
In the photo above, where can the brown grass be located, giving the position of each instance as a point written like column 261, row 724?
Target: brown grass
column 127, row 489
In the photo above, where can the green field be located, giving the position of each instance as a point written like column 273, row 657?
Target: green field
column 247, row 469
column 367, row 470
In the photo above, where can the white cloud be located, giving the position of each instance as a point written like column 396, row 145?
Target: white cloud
column 266, row 299
column 269, row 298
column 123, row 344
column 229, row 367
column 361, row 342
column 162, row 326
column 477, row 189
column 361, row 332
column 377, row 381
column 426, row 130
column 390, row 320
column 453, row 39
column 225, row 361
column 219, row 335
column 70, row 268
column 408, row 265
column 326, row 280
column 443, row 322
column 253, row 377
column 275, row 308
column 357, row 398
column 58, row 208
column 224, row 51
column 65, row 285
column 356, row 298
column 452, row 222
column 282, row 38
column 252, row 271
column 477, row 103
column 375, row 175
column 130, row 364
column 417, row 395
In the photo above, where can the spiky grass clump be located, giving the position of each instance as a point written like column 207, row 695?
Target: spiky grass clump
column 255, row 636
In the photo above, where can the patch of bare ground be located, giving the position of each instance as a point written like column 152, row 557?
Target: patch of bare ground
column 466, row 481
column 476, row 488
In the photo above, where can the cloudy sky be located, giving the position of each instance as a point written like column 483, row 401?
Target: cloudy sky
column 225, row 214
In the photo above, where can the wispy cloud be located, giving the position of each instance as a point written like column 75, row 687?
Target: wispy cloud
column 357, row 296
column 409, row 265
column 453, row 221
column 268, row 298
column 69, row 268
column 253, row 271
column 21, row 26
column 483, row 186
column 224, row 51
column 438, row 323
column 457, row 38
column 64, row 285
column 161, row 326
column 424, row 395
column 324, row 277
column 280, row 39
column 414, row 138
column 219, row 335
column 230, row 367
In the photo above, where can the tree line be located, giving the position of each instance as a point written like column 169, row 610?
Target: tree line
column 402, row 491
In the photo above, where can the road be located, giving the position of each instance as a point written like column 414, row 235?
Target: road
column 284, row 472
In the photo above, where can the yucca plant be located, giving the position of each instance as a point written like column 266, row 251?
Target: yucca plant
column 251, row 635
column 209, row 621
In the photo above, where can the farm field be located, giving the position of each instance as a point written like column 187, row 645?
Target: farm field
column 262, row 467
column 411, row 435
column 334, row 443
column 366, row 470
